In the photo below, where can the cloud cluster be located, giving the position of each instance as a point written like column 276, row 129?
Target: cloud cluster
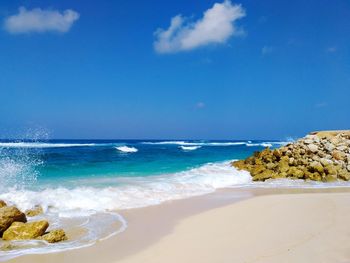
column 39, row 20
column 216, row 26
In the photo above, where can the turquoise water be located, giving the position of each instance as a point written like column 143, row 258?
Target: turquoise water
column 70, row 174
column 63, row 163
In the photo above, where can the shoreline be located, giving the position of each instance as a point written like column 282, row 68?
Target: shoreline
column 148, row 226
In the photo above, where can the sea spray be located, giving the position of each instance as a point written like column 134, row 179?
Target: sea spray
column 18, row 168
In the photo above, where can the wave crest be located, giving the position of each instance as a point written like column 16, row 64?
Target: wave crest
column 189, row 148
column 126, row 149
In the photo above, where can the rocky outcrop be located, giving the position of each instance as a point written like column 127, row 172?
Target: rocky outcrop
column 54, row 236
column 37, row 210
column 23, row 231
column 320, row 156
column 8, row 215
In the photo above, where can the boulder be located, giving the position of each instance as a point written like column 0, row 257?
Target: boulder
column 316, row 166
column 312, row 147
column 8, row 215
column 338, row 155
column 342, row 148
column 295, row 172
column 257, row 169
column 2, row 203
column 264, row 175
column 329, row 147
column 24, row 231
column 54, row 236
column 325, row 161
column 37, row 210
column 343, row 174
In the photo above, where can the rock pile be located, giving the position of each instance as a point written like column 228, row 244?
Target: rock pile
column 14, row 225
column 320, row 156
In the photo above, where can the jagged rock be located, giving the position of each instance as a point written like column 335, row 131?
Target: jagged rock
column 266, row 174
column 313, row 148
column 270, row 166
column 257, row 169
column 342, row 148
column 338, row 155
column 37, row 210
column 325, row 161
column 343, row 174
column 329, row 147
column 316, row 166
column 8, row 215
column 2, row 203
column 54, row 236
column 315, row 176
column 23, row 231
column 295, row 172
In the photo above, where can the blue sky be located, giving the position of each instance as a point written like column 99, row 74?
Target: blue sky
column 114, row 69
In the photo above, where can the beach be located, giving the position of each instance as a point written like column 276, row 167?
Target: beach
column 262, row 225
column 175, row 131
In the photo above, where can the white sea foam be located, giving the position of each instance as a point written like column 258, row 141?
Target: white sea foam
column 43, row 145
column 259, row 144
column 132, row 192
column 126, row 149
column 189, row 148
column 246, row 143
column 184, row 143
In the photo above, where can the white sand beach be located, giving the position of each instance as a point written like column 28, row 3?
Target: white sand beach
column 302, row 227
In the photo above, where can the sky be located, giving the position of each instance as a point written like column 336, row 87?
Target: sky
column 174, row 69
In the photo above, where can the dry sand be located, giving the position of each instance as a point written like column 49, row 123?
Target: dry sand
column 303, row 227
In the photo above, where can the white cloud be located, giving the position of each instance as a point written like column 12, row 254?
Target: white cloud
column 216, row 26
column 40, row 20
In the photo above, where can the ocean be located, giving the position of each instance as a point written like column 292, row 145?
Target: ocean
column 81, row 183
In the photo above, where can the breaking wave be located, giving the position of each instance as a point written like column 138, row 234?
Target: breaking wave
column 189, row 148
column 132, row 192
column 126, row 149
